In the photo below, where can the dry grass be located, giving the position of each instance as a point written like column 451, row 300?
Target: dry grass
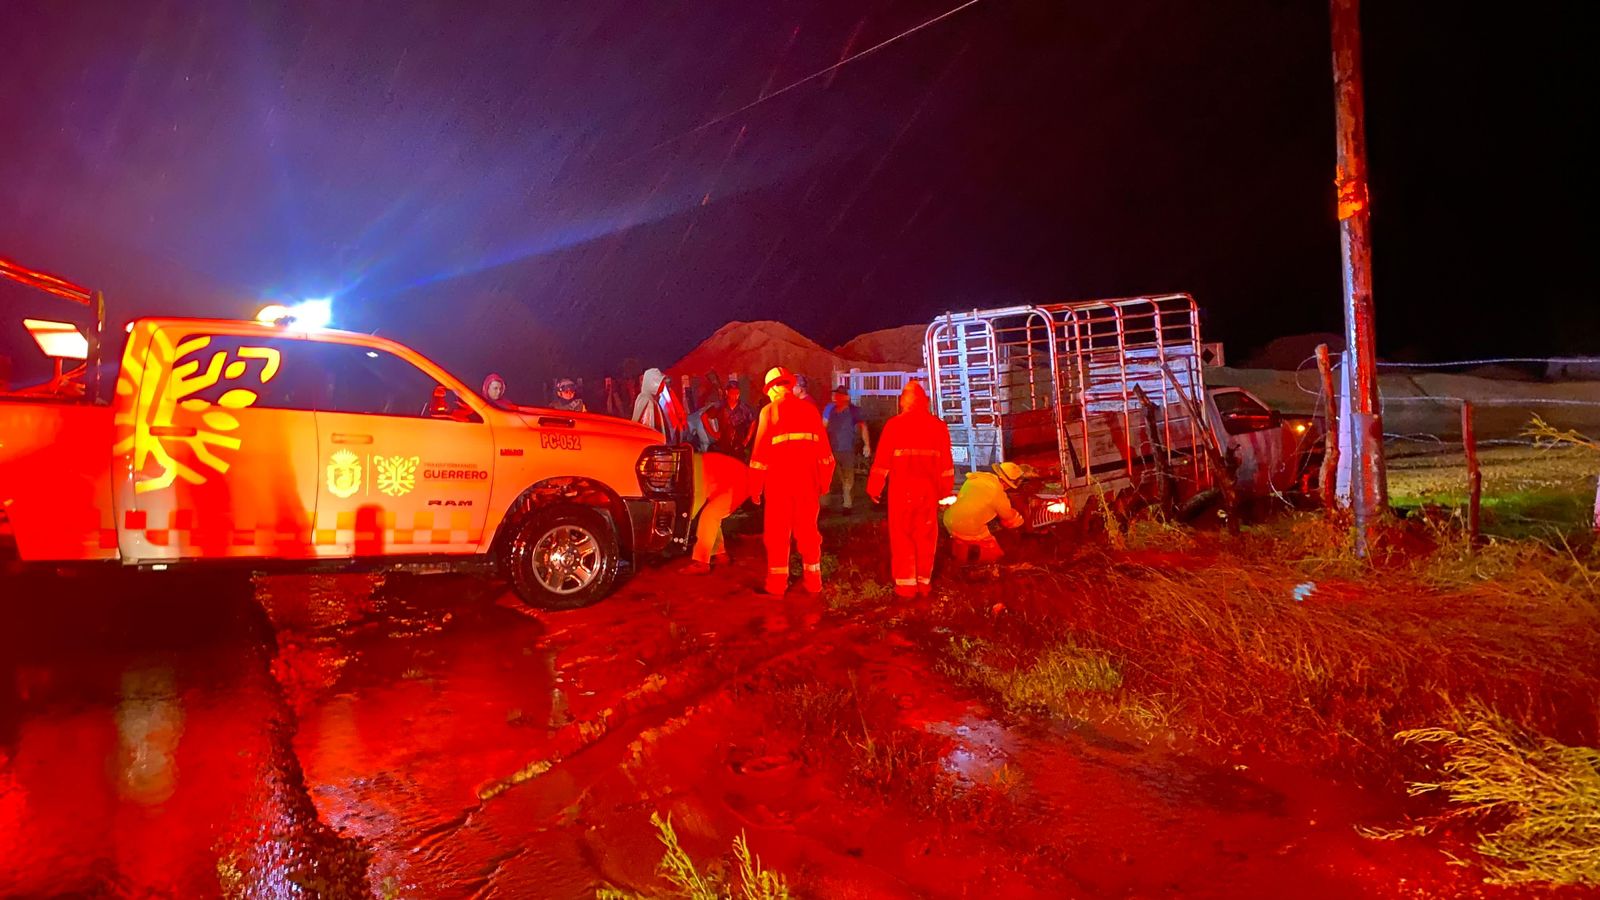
column 1546, row 435
column 686, row 881
column 1541, row 798
column 1283, row 640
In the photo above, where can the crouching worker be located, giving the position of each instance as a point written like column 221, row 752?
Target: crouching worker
column 721, row 485
column 914, row 457
column 982, row 500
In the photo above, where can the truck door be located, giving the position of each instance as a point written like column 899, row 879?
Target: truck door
column 217, row 441
column 1255, row 438
column 404, row 466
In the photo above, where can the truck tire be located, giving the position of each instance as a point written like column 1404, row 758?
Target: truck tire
column 563, row 558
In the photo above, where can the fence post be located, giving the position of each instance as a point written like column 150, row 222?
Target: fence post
column 1469, row 440
column 1328, row 478
column 1597, row 506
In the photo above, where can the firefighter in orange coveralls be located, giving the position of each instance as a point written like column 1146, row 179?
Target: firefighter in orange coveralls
column 721, row 485
column 982, row 499
column 914, row 455
column 791, row 465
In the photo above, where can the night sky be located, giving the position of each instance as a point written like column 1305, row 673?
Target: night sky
column 523, row 186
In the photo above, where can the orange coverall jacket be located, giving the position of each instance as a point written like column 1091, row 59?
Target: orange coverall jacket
column 791, row 449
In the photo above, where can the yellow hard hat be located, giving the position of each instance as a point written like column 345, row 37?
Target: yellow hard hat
column 778, row 375
column 1009, row 473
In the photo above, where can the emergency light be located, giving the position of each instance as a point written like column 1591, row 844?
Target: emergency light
column 307, row 315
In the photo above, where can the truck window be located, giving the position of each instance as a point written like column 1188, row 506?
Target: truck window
column 1241, row 414
column 281, row 373
column 375, row 382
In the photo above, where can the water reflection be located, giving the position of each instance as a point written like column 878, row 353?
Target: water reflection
column 149, row 726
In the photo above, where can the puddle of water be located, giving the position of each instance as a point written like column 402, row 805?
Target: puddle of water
column 149, row 753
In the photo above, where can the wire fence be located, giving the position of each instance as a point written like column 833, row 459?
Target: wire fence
column 1454, row 402
column 1430, row 443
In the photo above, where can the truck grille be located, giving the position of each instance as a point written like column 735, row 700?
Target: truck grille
column 1045, row 510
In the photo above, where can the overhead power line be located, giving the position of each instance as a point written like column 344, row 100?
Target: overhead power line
column 818, row 74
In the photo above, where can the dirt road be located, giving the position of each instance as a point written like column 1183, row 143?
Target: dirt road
column 336, row 736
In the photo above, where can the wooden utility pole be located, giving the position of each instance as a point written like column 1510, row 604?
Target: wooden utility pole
column 1361, row 431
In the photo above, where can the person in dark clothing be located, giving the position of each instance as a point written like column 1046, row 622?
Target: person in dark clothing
column 567, row 397
column 846, row 425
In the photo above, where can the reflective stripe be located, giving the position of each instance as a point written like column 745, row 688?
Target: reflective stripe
column 796, row 436
column 814, row 568
column 778, row 571
column 905, row 582
column 948, row 472
column 909, row 452
column 758, row 465
column 924, row 580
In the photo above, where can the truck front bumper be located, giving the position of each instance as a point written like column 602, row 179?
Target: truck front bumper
column 658, row 524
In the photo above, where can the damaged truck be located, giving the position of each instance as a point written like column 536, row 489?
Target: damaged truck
column 1107, row 402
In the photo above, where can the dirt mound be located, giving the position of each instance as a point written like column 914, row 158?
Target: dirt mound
column 747, row 349
column 901, row 347
column 1290, row 351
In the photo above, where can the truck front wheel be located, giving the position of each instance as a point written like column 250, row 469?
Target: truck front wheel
column 563, row 558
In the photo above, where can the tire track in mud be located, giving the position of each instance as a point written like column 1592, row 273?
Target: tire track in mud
column 661, row 703
column 318, row 859
column 650, row 704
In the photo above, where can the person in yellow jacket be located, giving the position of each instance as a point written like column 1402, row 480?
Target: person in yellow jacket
column 721, row 485
column 982, row 500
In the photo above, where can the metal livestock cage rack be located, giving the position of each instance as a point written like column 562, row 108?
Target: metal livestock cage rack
column 1088, row 393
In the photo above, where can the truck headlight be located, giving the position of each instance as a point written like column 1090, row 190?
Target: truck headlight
column 664, row 470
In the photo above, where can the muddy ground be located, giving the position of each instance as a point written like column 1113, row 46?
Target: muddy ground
column 431, row 736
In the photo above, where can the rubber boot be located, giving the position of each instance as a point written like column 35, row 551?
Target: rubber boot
column 904, row 593
column 924, row 589
column 812, row 579
column 776, row 584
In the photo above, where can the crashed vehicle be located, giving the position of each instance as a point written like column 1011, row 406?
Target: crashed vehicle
column 274, row 443
column 1106, row 401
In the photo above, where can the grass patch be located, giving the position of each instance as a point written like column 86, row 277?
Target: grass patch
column 1527, row 491
column 1540, row 798
column 857, row 734
column 1050, row 682
column 750, row 880
column 851, row 586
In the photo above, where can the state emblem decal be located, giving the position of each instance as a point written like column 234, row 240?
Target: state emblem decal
column 344, row 474
column 397, row 475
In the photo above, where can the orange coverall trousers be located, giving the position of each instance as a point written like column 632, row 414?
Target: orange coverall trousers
column 914, row 457
column 791, row 467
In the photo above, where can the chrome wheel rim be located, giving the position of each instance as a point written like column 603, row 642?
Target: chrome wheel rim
column 566, row 559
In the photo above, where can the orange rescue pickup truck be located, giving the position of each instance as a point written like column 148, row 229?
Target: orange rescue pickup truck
column 266, row 443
